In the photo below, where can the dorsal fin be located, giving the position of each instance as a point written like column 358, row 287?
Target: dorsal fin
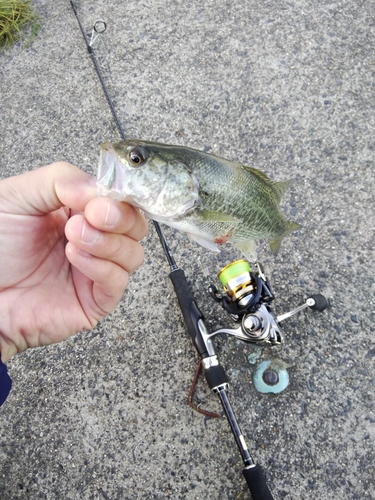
column 257, row 173
column 278, row 188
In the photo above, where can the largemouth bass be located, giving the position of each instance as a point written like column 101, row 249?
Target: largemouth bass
column 213, row 200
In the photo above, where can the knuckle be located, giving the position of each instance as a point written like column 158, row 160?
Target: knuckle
column 133, row 256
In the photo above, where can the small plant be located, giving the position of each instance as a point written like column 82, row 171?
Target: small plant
column 13, row 15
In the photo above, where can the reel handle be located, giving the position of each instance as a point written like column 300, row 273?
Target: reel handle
column 257, row 483
column 320, row 302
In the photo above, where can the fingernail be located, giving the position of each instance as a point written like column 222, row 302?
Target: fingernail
column 112, row 215
column 82, row 253
column 89, row 234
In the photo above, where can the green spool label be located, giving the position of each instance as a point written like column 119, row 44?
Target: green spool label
column 232, row 270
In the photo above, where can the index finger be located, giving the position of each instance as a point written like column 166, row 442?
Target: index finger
column 116, row 217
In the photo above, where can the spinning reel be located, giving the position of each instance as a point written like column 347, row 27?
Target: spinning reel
column 247, row 297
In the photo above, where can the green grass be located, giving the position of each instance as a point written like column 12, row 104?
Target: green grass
column 14, row 14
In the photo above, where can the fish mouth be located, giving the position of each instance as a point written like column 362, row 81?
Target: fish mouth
column 106, row 171
column 113, row 179
column 109, row 177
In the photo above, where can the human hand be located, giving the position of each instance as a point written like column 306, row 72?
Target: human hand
column 65, row 255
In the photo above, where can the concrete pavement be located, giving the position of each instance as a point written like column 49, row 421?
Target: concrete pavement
column 287, row 87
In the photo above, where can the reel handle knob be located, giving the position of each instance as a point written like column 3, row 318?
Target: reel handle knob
column 257, row 483
column 320, row 302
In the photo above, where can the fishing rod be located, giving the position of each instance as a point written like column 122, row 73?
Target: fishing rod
column 246, row 299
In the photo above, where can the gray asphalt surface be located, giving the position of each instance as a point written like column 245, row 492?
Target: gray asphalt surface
column 287, row 87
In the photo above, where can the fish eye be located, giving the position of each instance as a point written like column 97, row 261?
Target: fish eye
column 137, row 156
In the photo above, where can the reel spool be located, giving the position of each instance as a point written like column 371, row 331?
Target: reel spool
column 238, row 282
column 245, row 290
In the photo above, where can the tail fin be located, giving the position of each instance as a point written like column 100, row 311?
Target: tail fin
column 275, row 244
column 280, row 188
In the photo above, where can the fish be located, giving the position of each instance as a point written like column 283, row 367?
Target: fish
column 211, row 199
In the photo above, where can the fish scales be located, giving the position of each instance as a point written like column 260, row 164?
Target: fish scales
column 216, row 179
column 212, row 199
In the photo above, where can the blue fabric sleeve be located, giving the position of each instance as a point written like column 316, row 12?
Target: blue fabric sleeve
column 5, row 382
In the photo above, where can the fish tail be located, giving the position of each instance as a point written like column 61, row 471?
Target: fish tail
column 275, row 244
column 280, row 188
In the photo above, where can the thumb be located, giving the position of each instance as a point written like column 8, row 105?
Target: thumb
column 46, row 189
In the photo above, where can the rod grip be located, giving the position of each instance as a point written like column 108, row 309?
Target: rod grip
column 189, row 309
column 257, row 483
column 182, row 289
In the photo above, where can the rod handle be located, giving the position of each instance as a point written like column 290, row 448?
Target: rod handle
column 189, row 309
column 257, row 483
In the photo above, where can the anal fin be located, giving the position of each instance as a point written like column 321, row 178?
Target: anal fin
column 248, row 248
